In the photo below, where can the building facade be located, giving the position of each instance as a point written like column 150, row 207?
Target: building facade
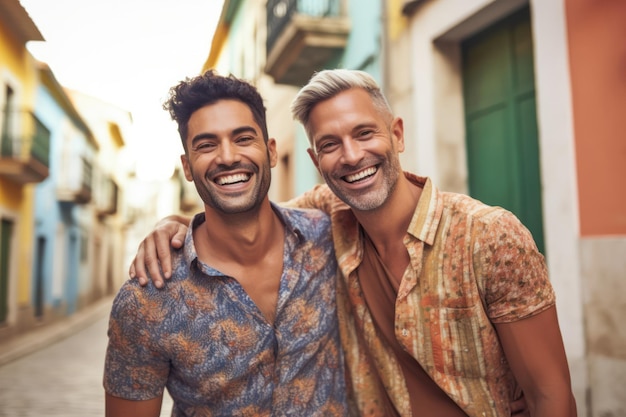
column 63, row 215
column 113, row 174
column 24, row 162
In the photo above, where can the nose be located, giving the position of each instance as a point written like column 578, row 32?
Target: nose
column 351, row 151
column 227, row 153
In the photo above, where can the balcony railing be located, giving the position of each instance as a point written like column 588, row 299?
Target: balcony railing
column 302, row 36
column 24, row 147
column 75, row 187
column 106, row 202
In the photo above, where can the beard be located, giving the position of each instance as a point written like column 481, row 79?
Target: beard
column 388, row 168
column 234, row 202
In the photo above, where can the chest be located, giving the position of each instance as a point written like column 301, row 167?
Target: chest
column 261, row 283
column 221, row 350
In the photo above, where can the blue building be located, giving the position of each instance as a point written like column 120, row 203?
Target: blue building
column 63, row 215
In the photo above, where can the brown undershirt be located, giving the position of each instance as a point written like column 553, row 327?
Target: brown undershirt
column 380, row 290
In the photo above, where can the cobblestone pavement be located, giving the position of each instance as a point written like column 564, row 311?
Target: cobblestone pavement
column 63, row 379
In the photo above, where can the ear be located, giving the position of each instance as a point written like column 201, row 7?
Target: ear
column 186, row 167
column 397, row 131
column 313, row 157
column 271, row 150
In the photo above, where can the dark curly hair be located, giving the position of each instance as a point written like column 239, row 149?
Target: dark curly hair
column 194, row 93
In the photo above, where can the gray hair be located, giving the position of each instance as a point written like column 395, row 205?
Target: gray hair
column 328, row 83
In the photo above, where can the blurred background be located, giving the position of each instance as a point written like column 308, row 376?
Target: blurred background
column 519, row 103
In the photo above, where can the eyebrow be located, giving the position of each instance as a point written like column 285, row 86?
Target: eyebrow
column 368, row 125
column 237, row 131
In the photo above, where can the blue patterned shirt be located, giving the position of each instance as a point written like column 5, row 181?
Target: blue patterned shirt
column 205, row 339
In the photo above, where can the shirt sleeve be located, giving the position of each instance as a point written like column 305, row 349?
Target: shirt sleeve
column 135, row 368
column 511, row 270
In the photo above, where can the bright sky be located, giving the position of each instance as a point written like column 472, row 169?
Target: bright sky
column 128, row 53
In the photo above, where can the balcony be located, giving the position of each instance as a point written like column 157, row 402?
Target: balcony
column 106, row 203
column 302, row 36
column 24, row 148
column 75, row 183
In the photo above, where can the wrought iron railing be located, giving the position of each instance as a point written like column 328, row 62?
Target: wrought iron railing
column 24, row 137
column 280, row 13
column 107, row 199
column 87, row 174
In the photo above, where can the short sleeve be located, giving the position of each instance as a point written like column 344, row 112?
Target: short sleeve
column 511, row 271
column 135, row 368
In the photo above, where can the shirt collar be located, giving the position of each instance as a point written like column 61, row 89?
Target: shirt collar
column 427, row 214
column 282, row 213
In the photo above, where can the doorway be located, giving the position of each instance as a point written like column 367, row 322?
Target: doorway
column 501, row 120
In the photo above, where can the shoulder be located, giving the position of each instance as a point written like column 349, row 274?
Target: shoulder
column 311, row 223
column 479, row 213
column 319, row 197
column 465, row 205
column 303, row 216
column 485, row 223
column 134, row 300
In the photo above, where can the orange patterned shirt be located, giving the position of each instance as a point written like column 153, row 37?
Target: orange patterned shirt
column 471, row 265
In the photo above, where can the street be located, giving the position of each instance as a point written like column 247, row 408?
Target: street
column 60, row 380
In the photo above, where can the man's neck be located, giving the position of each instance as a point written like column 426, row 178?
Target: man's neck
column 243, row 238
column 249, row 248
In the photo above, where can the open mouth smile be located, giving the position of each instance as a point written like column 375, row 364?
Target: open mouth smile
column 359, row 176
column 232, row 179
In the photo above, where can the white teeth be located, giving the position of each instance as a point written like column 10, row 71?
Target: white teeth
column 231, row 179
column 360, row 175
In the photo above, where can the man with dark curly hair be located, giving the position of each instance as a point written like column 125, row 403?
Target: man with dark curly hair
column 247, row 323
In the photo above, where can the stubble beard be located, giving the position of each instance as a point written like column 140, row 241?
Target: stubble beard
column 235, row 203
column 389, row 169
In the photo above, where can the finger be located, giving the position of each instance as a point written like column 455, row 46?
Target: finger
column 151, row 261
column 138, row 266
column 179, row 237
column 163, row 251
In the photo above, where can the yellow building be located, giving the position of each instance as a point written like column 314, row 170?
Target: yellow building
column 24, row 161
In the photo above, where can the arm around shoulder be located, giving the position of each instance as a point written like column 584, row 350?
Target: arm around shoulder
column 319, row 197
column 154, row 252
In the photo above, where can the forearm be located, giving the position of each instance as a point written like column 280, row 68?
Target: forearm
column 554, row 405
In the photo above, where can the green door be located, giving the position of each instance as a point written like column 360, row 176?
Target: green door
column 501, row 121
column 6, row 230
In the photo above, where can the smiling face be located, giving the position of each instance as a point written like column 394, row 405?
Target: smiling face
column 356, row 148
column 227, row 158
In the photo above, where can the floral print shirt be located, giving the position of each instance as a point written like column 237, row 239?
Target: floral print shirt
column 204, row 339
column 471, row 265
